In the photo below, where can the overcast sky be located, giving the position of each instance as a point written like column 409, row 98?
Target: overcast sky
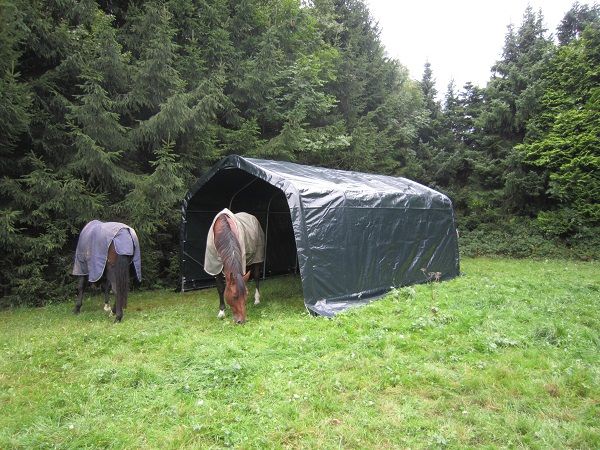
column 461, row 39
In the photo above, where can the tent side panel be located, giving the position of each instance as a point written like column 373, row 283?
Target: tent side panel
column 358, row 253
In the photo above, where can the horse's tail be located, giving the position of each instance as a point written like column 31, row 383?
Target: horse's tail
column 122, row 280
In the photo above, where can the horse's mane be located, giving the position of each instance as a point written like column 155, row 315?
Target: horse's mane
column 230, row 251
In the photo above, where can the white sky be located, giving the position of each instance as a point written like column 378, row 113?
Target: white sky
column 461, row 39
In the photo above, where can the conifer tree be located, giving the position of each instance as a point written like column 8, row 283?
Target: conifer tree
column 562, row 141
column 15, row 97
column 430, row 132
column 99, row 139
column 511, row 99
column 430, row 92
column 576, row 20
column 42, row 201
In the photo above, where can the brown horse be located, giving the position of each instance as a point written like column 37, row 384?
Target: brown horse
column 235, row 243
column 105, row 252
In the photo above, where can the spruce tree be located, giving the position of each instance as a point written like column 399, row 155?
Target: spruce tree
column 562, row 140
column 511, row 99
column 576, row 20
column 15, row 95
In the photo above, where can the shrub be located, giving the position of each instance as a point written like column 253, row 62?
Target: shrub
column 524, row 238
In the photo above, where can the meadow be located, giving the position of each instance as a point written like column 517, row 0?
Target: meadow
column 505, row 356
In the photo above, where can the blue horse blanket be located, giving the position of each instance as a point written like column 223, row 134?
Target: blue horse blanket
column 92, row 248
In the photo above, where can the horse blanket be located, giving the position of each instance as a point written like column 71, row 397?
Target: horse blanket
column 250, row 235
column 92, row 248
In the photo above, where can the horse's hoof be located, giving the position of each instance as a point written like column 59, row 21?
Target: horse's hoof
column 107, row 307
column 76, row 311
column 118, row 319
column 221, row 314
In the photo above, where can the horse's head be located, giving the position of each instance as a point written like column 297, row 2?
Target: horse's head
column 236, row 295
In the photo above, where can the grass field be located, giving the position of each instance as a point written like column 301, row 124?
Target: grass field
column 507, row 355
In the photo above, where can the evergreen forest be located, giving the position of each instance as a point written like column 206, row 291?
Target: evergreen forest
column 111, row 109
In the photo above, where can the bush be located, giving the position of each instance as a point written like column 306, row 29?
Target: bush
column 524, row 238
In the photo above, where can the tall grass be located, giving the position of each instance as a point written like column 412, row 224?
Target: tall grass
column 506, row 357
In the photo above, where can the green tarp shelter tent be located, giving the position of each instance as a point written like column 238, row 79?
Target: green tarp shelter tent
column 351, row 236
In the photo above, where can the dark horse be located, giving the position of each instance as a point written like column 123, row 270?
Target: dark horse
column 105, row 251
column 234, row 244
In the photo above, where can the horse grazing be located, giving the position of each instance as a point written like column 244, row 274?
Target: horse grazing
column 105, row 251
column 235, row 243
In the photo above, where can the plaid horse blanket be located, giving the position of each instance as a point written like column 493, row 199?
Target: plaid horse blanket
column 249, row 234
column 92, row 248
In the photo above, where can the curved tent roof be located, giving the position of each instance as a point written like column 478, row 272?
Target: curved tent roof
column 352, row 236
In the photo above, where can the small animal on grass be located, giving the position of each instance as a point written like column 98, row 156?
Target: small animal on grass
column 235, row 249
column 105, row 252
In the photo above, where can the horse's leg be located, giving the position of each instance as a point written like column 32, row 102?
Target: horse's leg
column 107, row 286
column 220, row 280
column 117, row 274
column 80, row 289
column 119, row 301
column 256, row 275
column 121, row 282
column 110, row 284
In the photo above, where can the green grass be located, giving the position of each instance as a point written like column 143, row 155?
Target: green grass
column 505, row 356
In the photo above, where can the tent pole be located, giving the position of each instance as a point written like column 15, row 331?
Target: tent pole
column 267, row 235
column 234, row 195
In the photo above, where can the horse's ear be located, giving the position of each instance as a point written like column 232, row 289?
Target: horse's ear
column 247, row 276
